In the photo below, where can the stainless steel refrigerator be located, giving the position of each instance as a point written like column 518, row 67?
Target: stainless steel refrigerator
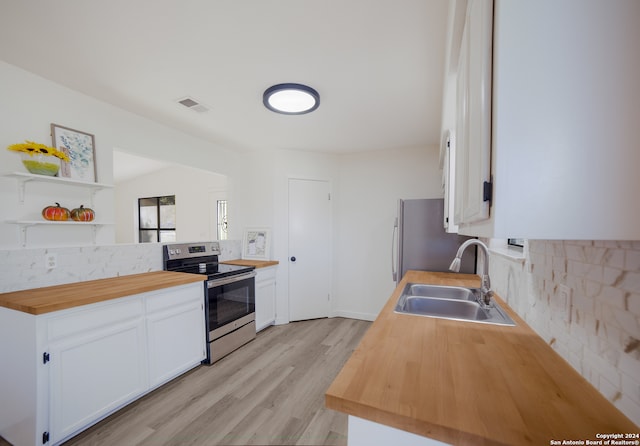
column 421, row 243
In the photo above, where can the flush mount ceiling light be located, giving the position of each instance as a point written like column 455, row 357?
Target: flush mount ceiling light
column 291, row 99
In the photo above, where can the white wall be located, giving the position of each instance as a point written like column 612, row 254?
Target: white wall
column 596, row 330
column 30, row 104
column 366, row 188
column 369, row 187
column 195, row 192
column 260, row 199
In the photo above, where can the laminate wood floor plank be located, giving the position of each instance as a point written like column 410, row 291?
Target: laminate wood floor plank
column 268, row 392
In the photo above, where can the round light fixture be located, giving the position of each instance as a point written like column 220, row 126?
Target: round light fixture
column 291, row 99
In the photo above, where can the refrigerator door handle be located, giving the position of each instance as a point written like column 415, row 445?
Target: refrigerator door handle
column 394, row 251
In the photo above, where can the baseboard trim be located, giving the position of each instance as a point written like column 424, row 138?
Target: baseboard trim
column 356, row 315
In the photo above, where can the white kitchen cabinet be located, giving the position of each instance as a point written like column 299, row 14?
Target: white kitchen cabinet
column 564, row 121
column 175, row 327
column 65, row 370
column 368, row 433
column 94, row 373
column 473, row 110
column 265, row 297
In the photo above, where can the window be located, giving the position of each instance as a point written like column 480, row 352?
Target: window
column 222, row 219
column 157, row 219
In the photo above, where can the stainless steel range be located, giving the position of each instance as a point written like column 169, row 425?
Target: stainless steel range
column 230, row 296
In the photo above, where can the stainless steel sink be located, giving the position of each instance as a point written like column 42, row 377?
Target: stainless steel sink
column 441, row 292
column 454, row 303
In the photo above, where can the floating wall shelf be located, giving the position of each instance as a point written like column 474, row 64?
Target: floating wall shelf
column 24, row 178
column 25, row 224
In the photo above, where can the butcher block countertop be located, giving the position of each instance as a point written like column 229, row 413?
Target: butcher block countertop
column 467, row 383
column 256, row 263
column 61, row 297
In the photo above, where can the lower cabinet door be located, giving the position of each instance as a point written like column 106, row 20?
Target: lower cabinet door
column 94, row 374
column 176, row 340
column 265, row 297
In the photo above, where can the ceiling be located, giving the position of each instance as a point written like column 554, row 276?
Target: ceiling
column 377, row 64
column 128, row 167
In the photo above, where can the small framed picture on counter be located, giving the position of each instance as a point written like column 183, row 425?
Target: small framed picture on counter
column 256, row 243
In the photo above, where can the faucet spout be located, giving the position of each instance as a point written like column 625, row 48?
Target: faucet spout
column 485, row 285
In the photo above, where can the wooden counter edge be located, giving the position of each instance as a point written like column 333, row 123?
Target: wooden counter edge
column 248, row 262
column 61, row 297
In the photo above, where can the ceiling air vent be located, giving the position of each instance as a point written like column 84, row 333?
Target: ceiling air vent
column 192, row 104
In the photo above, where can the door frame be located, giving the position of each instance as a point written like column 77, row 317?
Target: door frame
column 329, row 181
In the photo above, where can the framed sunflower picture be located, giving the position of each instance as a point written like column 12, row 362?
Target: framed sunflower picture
column 80, row 147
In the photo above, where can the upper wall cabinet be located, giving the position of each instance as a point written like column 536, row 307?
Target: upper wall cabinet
column 563, row 110
column 473, row 115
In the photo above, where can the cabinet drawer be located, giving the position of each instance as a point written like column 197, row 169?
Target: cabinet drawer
column 162, row 300
column 265, row 274
column 94, row 317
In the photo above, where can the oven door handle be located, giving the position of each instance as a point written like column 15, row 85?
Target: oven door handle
column 231, row 279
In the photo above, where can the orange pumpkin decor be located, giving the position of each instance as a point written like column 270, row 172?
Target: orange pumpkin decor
column 83, row 214
column 56, row 213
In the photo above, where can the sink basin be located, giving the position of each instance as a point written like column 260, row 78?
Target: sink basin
column 454, row 303
column 459, row 309
column 441, row 292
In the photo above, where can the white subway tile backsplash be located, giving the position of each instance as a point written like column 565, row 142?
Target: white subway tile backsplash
column 593, row 255
column 632, row 261
column 632, row 303
column 615, row 258
column 611, row 296
column 609, row 389
column 626, row 321
column 630, row 388
column 574, row 252
column 601, row 336
column 630, row 281
column 22, row 269
column 611, row 276
column 581, row 269
column 629, row 365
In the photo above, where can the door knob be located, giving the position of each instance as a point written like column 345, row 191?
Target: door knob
column 293, row 259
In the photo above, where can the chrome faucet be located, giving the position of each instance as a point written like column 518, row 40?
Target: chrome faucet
column 485, row 284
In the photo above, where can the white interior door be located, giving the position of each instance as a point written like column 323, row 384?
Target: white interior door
column 309, row 249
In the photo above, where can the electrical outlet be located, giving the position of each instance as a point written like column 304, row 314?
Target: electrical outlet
column 564, row 293
column 51, row 261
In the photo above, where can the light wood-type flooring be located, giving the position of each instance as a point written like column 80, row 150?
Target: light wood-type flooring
column 270, row 391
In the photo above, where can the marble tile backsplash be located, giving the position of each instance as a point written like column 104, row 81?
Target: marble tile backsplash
column 22, row 269
column 583, row 298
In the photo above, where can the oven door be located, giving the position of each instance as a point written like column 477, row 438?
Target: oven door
column 231, row 302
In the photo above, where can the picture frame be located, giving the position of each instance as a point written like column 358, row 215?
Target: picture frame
column 81, row 149
column 256, row 243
